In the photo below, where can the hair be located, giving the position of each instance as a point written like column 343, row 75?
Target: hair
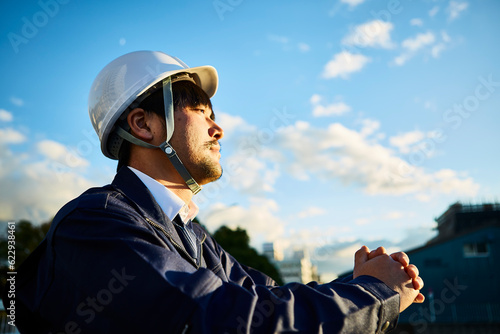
column 185, row 94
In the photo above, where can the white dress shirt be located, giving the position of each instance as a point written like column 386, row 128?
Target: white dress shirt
column 170, row 203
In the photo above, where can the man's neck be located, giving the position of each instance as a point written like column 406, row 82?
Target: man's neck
column 169, row 178
column 171, row 204
column 181, row 190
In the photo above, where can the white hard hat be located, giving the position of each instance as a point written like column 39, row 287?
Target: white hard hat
column 129, row 77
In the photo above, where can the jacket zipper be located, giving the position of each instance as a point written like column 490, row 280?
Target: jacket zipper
column 179, row 247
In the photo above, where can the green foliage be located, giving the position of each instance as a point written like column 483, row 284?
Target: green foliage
column 28, row 236
column 237, row 243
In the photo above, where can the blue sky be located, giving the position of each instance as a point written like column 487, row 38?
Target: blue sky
column 346, row 122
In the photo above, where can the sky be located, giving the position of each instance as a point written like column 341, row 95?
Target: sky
column 346, row 122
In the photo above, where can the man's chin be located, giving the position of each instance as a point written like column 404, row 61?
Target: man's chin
column 221, row 172
column 211, row 176
column 218, row 175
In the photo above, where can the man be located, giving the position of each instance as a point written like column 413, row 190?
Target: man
column 126, row 258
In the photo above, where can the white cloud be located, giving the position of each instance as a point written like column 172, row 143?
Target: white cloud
column 405, row 141
column 437, row 50
column 394, row 215
column 336, row 256
column 312, row 211
column 421, row 144
column 336, row 153
column 278, row 39
column 455, row 8
column 303, row 47
column 375, row 33
column 343, row 64
column 59, row 153
column 250, row 165
column 413, row 45
column 362, row 221
column 369, row 127
column 248, row 169
column 11, row 136
column 5, row 116
column 352, row 3
column 251, row 173
column 258, row 219
column 16, row 101
column 333, row 109
column 445, row 37
column 430, row 105
column 401, row 59
column 287, row 44
column 341, row 153
column 416, row 22
column 379, row 219
column 350, row 250
column 122, row 41
column 230, row 123
column 421, row 40
column 448, row 181
column 434, row 11
column 35, row 187
column 315, row 99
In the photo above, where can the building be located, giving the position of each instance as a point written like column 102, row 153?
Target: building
column 296, row 268
column 461, row 272
column 272, row 252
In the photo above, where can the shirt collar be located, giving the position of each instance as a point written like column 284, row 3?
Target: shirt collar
column 170, row 203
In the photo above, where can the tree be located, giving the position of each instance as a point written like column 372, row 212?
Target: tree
column 237, row 243
column 28, row 236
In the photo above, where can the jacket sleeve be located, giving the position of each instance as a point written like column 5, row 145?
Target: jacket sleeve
column 112, row 274
column 361, row 305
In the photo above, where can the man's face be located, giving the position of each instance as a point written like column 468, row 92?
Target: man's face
column 195, row 140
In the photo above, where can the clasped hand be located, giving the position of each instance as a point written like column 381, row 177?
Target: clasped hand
column 394, row 270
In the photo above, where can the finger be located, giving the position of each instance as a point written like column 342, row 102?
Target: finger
column 412, row 271
column 361, row 256
column 374, row 253
column 419, row 298
column 402, row 258
column 418, row 283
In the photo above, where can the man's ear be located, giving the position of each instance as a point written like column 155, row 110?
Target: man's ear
column 139, row 121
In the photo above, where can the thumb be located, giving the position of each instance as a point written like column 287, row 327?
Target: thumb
column 402, row 258
column 361, row 256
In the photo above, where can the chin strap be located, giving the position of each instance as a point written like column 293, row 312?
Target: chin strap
column 171, row 154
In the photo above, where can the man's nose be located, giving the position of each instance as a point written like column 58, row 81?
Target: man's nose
column 216, row 131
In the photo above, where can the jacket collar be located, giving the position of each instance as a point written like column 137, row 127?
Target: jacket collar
column 127, row 183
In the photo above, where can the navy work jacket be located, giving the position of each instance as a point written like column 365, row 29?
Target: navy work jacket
column 112, row 262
